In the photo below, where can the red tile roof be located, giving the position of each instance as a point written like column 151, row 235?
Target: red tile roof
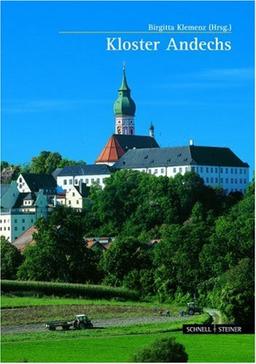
column 111, row 152
column 25, row 238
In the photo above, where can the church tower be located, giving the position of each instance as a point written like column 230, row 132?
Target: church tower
column 124, row 109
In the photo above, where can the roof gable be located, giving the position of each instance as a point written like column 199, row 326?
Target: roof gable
column 36, row 182
column 111, row 152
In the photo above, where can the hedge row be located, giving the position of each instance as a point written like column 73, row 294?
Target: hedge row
column 68, row 289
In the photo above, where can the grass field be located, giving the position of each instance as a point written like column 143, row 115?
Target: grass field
column 9, row 301
column 121, row 348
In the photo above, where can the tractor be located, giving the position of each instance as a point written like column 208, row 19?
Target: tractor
column 192, row 309
column 80, row 322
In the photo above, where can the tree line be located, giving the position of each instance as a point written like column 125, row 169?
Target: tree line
column 46, row 162
column 175, row 239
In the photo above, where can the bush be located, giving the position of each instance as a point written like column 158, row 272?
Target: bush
column 68, row 289
column 10, row 259
column 162, row 351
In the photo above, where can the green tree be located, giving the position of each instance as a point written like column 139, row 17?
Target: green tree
column 165, row 350
column 176, row 256
column 123, row 259
column 10, row 259
column 69, row 162
column 47, row 162
column 60, row 253
column 233, row 293
column 232, row 239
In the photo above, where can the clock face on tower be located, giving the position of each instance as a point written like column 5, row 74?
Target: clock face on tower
column 119, row 130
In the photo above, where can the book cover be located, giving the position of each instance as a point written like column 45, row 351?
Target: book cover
column 127, row 193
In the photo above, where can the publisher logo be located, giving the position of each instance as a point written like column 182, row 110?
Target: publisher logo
column 217, row 329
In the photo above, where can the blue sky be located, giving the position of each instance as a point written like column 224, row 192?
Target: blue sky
column 58, row 90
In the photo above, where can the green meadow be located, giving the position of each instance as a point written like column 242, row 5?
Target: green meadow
column 121, row 348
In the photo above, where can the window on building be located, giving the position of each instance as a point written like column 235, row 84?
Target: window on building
column 23, row 228
column 216, row 170
column 231, row 170
column 98, row 180
column 73, row 194
column 235, row 170
column 92, row 180
column 216, row 180
column 201, row 169
column 69, row 202
column 32, row 220
column 77, row 202
column 156, row 170
column 1, row 228
column 211, row 180
column 207, row 180
column 15, row 220
column 86, row 181
column 0, row 221
column 207, row 169
column 221, row 170
column 4, row 228
column 221, row 180
column 180, row 170
column 193, row 169
column 231, row 180
column 162, row 170
column 76, row 182
column 174, row 170
column 4, row 220
column 23, row 220
column 240, row 171
column 8, row 228
column 15, row 228
column 244, row 171
column 241, row 181
column 70, row 181
column 211, row 170
column 64, row 181
column 149, row 171
column 226, row 170
column 245, row 180
column 235, row 180
column 20, row 179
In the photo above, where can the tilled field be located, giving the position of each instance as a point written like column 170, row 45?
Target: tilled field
column 100, row 323
column 37, row 314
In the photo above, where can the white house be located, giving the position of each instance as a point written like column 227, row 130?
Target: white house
column 90, row 174
column 219, row 167
column 19, row 211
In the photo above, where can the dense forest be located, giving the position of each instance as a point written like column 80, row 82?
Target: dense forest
column 175, row 239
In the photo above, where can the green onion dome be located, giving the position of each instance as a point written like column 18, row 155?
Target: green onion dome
column 124, row 104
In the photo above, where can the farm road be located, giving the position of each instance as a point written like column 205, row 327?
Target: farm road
column 216, row 315
column 117, row 322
